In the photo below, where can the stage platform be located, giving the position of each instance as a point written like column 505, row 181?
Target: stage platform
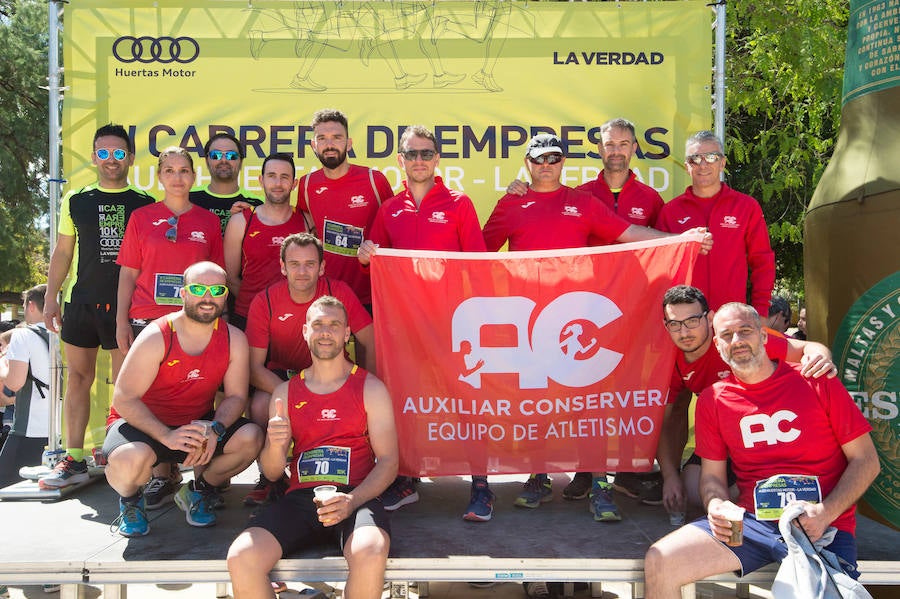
column 70, row 541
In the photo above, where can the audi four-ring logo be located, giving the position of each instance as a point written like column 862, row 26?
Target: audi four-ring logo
column 146, row 49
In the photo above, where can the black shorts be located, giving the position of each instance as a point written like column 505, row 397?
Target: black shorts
column 694, row 459
column 138, row 325
column 238, row 320
column 89, row 325
column 293, row 521
column 120, row 433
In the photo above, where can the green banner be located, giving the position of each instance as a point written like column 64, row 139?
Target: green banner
column 867, row 354
column 873, row 47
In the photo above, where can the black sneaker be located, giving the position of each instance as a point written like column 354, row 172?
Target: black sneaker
column 580, row 486
column 159, row 491
column 646, row 487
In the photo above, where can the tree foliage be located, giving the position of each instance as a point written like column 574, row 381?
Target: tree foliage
column 785, row 63
column 23, row 143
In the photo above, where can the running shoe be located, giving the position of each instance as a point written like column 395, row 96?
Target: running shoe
column 66, row 472
column 159, row 491
column 645, row 486
column 401, row 492
column 132, row 520
column 535, row 491
column 580, row 487
column 602, row 505
column 481, row 504
column 197, row 506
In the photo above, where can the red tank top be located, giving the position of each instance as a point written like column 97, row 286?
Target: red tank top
column 185, row 386
column 260, row 253
column 333, row 420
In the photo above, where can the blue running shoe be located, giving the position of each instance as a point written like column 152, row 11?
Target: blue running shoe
column 536, row 491
column 602, row 505
column 481, row 504
column 198, row 507
column 132, row 520
column 401, row 492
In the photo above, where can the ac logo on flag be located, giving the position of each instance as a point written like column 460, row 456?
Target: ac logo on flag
column 562, row 345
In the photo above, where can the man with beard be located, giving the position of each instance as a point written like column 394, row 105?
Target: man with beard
column 224, row 157
column 91, row 226
column 342, row 200
column 253, row 236
column 698, row 365
column 275, row 331
column 786, row 434
column 340, row 421
column 163, row 405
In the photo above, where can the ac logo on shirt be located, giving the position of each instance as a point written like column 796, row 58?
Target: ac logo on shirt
column 358, row 202
column 193, row 375
column 563, row 344
column 759, row 428
column 571, row 211
column 636, row 212
column 328, row 414
column 198, row 236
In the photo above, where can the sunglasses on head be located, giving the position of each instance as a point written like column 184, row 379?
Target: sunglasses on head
column 198, row 290
column 423, row 154
column 552, row 158
column 219, row 154
column 172, row 233
column 117, row 153
column 710, row 157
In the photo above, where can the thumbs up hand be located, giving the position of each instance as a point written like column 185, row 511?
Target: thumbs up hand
column 279, row 429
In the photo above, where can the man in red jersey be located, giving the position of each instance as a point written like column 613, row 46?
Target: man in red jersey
column 253, row 236
column 698, row 365
column 736, row 221
column 553, row 216
column 427, row 216
column 342, row 199
column 341, row 423
column 168, row 382
column 786, row 434
column 275, row 327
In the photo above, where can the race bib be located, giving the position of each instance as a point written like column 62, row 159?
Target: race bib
column 771, row 496
column 327, row 464
column 166, row 289
column 342, row 239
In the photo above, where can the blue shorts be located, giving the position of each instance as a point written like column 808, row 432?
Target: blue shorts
column 764, row 545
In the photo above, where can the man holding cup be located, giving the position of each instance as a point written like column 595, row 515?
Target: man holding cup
column 168, row 383
column 790, row 438
column 341, row 422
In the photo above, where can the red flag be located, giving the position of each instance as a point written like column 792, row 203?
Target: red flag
column 516, row 362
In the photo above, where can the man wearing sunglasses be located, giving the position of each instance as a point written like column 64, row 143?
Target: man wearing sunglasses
column 92, row 223
column 427, row 215
column 553, row 216
column 163, row 405
column 224, row 156
column 341, row 200
column 688, row 319
column 742, row 249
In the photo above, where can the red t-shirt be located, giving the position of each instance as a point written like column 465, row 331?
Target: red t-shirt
column 565, row 218
column 185, row 386
column 444, row 221
column 336, row 419
column 636, row 202
column 162, row 262
column 786, row 424
column 275, row 322
column 261, row 254
column 349, row 201
column 702, row 373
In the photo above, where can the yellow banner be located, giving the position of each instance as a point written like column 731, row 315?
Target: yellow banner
column 484, row 75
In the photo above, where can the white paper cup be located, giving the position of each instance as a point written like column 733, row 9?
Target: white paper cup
column 323, row 493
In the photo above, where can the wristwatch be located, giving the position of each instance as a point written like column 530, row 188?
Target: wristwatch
column 219, row 429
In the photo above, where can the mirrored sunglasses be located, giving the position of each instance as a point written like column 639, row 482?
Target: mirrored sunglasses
column 198, row 290
column 219, row 154
column 104, row 153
